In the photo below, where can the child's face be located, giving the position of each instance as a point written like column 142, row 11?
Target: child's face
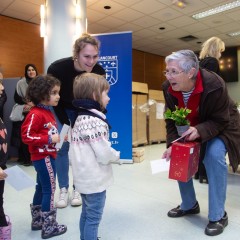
column 105, row 98
column 54, row 97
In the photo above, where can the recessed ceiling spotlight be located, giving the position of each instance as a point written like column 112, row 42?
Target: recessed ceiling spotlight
column 107, row 7
column 179, row 3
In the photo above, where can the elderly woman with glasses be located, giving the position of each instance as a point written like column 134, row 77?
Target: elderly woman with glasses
column 215, row 123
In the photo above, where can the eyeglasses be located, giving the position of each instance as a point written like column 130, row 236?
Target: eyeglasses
column 171, row 73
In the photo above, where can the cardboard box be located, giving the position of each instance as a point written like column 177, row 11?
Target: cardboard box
column 138, row 154
column 139, row 116
column 184, row 160
column 156, row 122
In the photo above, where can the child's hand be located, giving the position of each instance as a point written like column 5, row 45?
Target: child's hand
column 55, row 138
column 66, row 138
column 3, row 175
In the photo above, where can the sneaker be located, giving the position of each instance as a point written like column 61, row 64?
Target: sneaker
column 63, row 198
column 76, row 199
column 216, row 228
column 178, row 212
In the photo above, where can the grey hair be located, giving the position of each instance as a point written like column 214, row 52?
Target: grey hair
column 186, row 59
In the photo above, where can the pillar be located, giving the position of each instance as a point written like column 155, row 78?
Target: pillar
column 61, row 28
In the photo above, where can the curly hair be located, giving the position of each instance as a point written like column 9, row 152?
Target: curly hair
column 40, row 87
column 81, row 42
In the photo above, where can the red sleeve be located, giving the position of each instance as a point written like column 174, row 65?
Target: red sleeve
column 32, row 130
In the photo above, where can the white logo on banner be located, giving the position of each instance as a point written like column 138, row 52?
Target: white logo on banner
column 110, row 64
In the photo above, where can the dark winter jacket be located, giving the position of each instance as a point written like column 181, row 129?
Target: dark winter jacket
column 218, row 116
column 211, row 64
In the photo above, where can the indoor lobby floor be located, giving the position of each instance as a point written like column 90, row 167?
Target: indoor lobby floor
column 136, row 207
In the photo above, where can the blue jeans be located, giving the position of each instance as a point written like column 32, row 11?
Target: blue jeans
column 62, row 166
column 217, row 170
column 92, row 210
column 46, row 184
column 62, row 160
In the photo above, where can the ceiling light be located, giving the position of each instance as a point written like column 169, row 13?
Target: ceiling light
column 218, row 9
column 43, row 20
column 179, row 3
column 234, row 34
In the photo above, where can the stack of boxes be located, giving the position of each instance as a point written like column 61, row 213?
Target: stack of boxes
column 156, row 122
column 138, row 154
column 139, row 113
column 148, row 124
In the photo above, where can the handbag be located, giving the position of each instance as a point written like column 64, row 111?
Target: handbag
column 17, row 113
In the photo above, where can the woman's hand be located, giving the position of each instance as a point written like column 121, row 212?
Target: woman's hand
column 191, row 134
column 167, row 154
column 3, row 175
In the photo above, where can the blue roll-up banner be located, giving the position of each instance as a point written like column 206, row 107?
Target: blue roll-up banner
column 116, row 58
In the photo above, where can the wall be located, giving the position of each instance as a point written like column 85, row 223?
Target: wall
column 20, row 44
column 148, row 68
column 233, row 87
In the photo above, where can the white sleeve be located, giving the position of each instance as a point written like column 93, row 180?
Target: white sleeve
column 97, row 136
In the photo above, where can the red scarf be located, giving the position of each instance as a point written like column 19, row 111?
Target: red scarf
column 193, row 101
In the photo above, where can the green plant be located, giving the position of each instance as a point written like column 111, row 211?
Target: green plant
column 179, row 116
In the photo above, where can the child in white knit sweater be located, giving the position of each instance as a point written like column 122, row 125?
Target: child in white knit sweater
column 91, row 150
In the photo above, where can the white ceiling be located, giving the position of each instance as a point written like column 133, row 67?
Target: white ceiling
column 144, row 18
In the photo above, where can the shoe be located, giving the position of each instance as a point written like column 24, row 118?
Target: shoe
column 27, row 164
column 178, row 212
column 36, row 213
column 76, row 199
column 50, row 226
column 63, row 198
column 216, row 228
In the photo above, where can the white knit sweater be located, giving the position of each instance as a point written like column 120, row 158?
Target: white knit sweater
column 91, row 154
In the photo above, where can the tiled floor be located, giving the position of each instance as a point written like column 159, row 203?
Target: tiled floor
column 136, row 207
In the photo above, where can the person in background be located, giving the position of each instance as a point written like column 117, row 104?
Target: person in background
column 209, row 59
column 39, row 132
column 20, row 98
column 215, row 122
column 210, row 54
column 91, row 150
column 84, row 59
column 3, row 98
column 5, row 225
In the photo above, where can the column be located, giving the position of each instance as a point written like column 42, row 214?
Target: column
column 61, row 28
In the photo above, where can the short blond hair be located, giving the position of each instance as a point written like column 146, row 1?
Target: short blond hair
column 90, row 86
column 212, row 48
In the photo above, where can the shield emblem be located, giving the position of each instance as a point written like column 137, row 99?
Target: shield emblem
column 110, row 64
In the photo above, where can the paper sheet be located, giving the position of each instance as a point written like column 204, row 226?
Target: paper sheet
column 18, row 179
column 160, row 165
column 62, row 135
